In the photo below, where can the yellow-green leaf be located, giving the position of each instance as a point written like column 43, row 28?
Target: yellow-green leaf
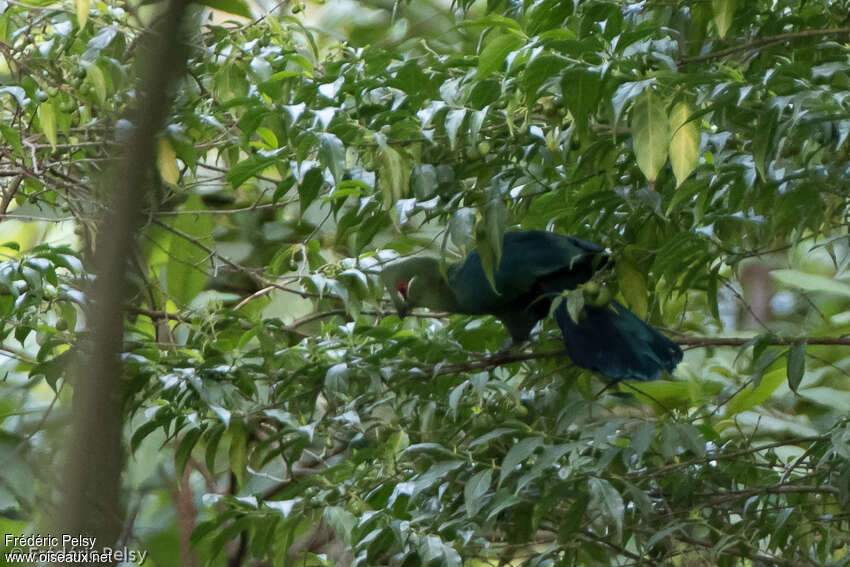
column 751, row 396
column 236, row 7
column 575, row 304
column 188, row 264
column 166, row 161
column 633, row 287
column 724, row 11
column 82, row 12
column 47, row 120
column 684, row 144
column 811, row 282
column 650, row 133
column 98, row 82
column 268, row 137
column 393, row 175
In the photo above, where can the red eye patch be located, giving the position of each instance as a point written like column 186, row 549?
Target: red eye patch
column 401, row 287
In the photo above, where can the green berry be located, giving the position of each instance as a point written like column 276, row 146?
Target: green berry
column 602, row 298
column 590, row 290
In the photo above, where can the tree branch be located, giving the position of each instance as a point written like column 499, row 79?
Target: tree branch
column 501, row 359
column 697, row 342
column 761, row 43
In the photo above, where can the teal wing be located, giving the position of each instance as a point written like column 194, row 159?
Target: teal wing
column 533, row 262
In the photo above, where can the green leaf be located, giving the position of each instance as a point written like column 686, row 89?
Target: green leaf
column 166, row 161
column 246, row 169
column 393, row 176
column 204, row 529
column 606, row 499
column 811, row 282
column 456, row 395
column 764, row 141
column 762, row 362
column 502, row 500
column 664, row 392
column 47, row 120
column 142, row 432
column 493, row 56
column 488, row 257
column 213, row 439
column 650, row 133
column 284, row 507
column 691, row 438
column 518, row 454
column 796, row 366
column 641, row 439
column 684, row 144
column 462, row 228
column 184, row 450
column 724, row 11
column 434, row 551
column 476, row 120
column 476, row 487
column 236, row 7
column 238, row 453
column 572, row 520
column 82, row 12
column 95, row 76
column 309, row 188
column 495, row 218
column 332, row 154
column 751, row 396
column 580, row 88
column 575, row 304
column 454, row 120
column 538, row 71
column 11, row 137
column 490, row 435
column 342, row 521
column 829, row 397
column 188, row 263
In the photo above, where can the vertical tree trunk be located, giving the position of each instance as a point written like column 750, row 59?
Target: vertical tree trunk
column 758, row 290
column 91, row 502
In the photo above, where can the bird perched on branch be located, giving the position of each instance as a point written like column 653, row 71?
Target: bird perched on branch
column 535, row 268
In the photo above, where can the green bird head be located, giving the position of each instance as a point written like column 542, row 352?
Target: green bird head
column 418, row 282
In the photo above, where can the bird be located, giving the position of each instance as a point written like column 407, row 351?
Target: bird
column 534, row 269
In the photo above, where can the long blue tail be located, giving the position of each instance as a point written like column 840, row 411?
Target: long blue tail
column 616, row 343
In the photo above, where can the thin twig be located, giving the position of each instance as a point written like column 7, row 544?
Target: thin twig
column 761, row 42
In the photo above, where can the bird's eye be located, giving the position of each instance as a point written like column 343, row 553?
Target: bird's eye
column 401, row 287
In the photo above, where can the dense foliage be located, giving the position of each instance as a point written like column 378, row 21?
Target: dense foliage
column 279, row 411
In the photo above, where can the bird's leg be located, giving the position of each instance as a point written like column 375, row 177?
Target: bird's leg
column 608, row 385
